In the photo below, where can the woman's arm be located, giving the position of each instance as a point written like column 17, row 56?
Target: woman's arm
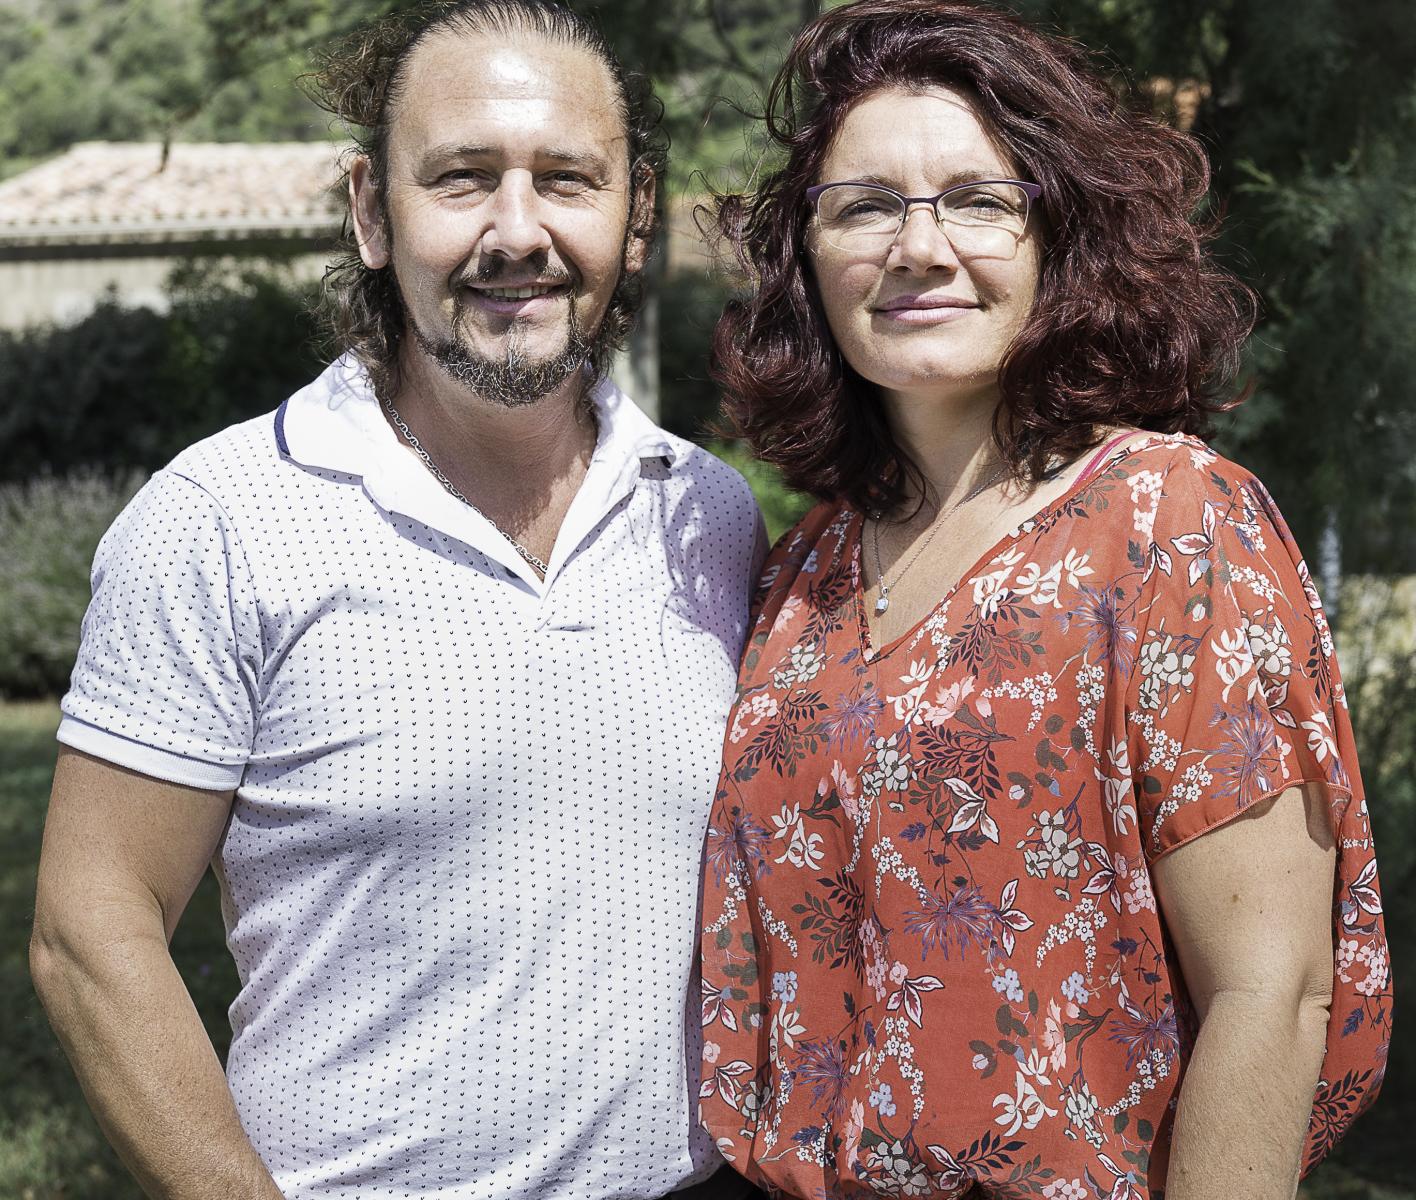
column 1249, row 907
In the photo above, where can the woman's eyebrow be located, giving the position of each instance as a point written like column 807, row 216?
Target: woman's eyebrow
column 961, row 175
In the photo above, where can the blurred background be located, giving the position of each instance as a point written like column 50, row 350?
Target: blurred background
column 165, row 217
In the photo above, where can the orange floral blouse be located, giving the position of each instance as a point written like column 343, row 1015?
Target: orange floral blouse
column 932, row 956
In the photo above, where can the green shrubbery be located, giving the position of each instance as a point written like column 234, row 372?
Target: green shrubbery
column 49, row 529
column 128, row 388
column 93, row 406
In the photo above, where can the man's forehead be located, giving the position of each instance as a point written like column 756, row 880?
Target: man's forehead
column 500, row 87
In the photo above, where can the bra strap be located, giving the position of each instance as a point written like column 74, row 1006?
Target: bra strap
column 1101, row 454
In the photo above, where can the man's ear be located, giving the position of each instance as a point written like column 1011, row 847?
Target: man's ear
column 364, row 207
column 641, row 220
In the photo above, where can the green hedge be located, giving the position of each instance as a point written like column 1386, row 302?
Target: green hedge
column 127, row 388
column 49, row 529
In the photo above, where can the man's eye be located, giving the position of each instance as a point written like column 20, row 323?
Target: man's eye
column 464, row 179
column 567, row 182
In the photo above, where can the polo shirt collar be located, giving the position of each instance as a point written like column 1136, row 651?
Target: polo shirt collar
column 336, row 424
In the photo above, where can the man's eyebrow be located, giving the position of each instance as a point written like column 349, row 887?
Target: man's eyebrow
column 586, row 159
column 453, row 151
column 450, row 150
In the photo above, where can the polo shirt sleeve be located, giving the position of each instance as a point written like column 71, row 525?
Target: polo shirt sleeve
column 167, row 677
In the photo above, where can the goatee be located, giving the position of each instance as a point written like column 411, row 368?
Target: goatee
column 513, row 380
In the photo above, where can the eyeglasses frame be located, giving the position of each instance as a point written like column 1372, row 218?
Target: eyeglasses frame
column 1033, row 191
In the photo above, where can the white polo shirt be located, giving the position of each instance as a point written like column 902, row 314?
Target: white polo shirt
column 460, row 877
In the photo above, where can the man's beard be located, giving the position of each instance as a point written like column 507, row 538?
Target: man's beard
column 514, row 379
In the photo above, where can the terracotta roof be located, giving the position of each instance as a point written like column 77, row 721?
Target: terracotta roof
column 121, row 191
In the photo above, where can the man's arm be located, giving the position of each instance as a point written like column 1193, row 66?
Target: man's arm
column 1249, row 906
column 122, row 855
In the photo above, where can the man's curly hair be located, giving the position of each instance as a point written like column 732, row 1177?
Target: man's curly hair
column 361, row 79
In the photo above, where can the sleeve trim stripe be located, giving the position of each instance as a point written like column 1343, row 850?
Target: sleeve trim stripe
column 148, row 760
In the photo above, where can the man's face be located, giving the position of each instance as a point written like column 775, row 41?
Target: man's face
column 508, row 201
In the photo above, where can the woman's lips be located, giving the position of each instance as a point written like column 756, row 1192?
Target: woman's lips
column 924, row 310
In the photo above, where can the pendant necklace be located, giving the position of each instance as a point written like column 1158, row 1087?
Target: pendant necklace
column 417, row 447
column 882, row 605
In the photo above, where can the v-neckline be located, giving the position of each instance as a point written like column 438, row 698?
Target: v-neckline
column 856, row 532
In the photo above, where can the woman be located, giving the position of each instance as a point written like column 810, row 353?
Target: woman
column 1040, row 822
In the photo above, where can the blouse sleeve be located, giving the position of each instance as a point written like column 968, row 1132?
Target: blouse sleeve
column 1235, row 696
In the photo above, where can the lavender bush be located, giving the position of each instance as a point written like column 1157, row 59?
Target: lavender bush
column 49, row 529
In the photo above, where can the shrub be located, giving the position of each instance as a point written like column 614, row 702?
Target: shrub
column 128, row 388
column 1377, row 648
column 49, row 529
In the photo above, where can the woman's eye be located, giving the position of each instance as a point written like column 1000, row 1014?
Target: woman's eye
column 985, row 202
column 864, row 208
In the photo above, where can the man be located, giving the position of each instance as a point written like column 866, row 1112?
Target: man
column 434, row 662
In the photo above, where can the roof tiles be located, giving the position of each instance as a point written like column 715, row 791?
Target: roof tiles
column 123, row 191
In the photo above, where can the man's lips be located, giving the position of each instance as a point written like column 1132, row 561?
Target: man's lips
column 516, row 298
column 516, row 291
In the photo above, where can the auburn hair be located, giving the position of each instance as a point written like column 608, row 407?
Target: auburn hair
column 1134, row 323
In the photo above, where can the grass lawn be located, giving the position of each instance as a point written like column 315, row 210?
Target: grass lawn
column 50, row 1148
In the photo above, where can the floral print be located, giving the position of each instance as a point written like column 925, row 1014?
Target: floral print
column 932, row 957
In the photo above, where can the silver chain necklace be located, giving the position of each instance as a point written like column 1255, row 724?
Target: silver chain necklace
column 412, row 439
column 883, row 603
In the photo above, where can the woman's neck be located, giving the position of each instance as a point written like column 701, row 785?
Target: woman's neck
column 951, row 443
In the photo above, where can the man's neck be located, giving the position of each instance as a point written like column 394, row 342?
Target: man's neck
column 520, row 466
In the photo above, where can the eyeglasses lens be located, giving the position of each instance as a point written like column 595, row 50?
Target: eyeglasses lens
column 976, row 218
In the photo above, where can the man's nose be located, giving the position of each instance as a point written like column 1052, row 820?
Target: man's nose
column 515, row 214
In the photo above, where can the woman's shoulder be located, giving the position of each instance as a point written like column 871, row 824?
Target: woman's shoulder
column 801, row 562
column 815, row 540
column 1182, row 481
column 1185, row 463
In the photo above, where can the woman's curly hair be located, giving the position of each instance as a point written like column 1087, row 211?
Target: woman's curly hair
column 361, row 80
column 1133, row 324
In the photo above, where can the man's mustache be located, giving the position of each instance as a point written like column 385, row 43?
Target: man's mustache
column 493, row 269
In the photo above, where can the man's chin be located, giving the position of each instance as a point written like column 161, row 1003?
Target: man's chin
column 513, row 379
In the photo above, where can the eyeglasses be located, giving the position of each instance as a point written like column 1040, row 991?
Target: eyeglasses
column 983, row 217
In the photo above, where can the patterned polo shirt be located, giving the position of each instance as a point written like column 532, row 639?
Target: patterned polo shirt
column 461, row 870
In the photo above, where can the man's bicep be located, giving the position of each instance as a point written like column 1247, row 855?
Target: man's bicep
column 1249, row 904
column 114, row 836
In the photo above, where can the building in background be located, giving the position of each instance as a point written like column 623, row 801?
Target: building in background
column 120, row 215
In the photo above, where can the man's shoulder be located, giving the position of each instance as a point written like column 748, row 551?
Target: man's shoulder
column 249, row 458
column 701, row 461
column 719, row 492
column 236, row 452
column 688, row 464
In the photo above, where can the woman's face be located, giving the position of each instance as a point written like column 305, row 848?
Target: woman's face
column 918, row 318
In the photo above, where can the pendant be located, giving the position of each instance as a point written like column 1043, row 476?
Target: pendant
column 882, row 604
